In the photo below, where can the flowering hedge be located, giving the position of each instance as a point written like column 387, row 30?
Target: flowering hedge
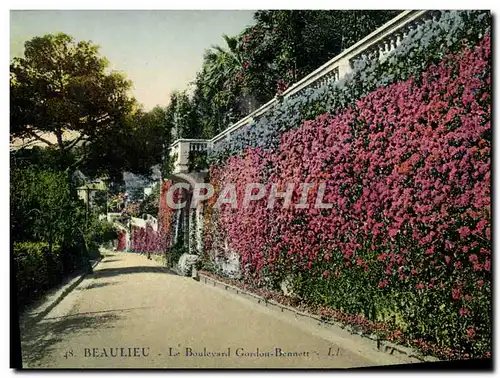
column 407, row 169
column 146, row 239
column 122, row 241
column 427, row 43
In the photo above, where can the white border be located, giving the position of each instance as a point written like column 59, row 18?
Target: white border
column 185, row 4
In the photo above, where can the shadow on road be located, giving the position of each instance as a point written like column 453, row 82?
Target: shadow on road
column 97, row 285
column 110, row 260
column 113, row 272
column 41, row 339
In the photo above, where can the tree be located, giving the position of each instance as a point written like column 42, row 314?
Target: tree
column 218, row 96
column 181, row 116
column 136, row 147
column 62, row 86
column 151, row 203
column 42, row 207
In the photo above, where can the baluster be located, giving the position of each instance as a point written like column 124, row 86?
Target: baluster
column 399, row 39
column 392, row 43
column 380, row 47
column 406, row 30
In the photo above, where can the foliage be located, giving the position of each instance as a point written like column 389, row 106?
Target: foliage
column 176, row 251
column 407, row 169
column 98, row 232
column 286, row 45
column 161, row 241
column 151, row 203
column 48, row 230
column 122, row 241
column 38, row 268
column 45, row 158
column 165, row 214
column 135, row 147
column 181, row 116
column 99, row 201
column 132, row 209
column 116, row 203
column 42, row 207
column 197, row 161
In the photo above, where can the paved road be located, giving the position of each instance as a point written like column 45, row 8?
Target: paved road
column 131, row 313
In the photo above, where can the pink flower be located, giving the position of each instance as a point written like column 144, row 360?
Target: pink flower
column 478, row 267
column 456, row 294
column 487, row 265
column 471, row 332
column 325, row 274
column 463, row 311
column 420, row 285
column 398, row 333
column 464, row 232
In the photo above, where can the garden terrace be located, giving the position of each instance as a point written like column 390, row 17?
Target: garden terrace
column 376, row 45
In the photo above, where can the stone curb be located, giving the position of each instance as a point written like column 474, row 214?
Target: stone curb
column 49, row 304
column 380, row 344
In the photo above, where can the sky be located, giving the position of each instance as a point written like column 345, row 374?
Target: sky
column 160, row 51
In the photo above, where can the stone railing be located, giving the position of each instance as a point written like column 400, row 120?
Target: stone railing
column 376, row 45
column 181, row 149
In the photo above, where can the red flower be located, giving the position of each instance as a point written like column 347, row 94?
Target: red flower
column 478, row 267
column 456, row 294
column 464, row 231
column 487, row 265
